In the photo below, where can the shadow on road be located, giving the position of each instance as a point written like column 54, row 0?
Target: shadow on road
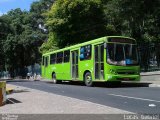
column 122, row 85
column 97, row 84
column 12, row 101
column 18, row 81
column 108, row 84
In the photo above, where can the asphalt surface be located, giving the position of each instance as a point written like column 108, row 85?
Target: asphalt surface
column 137, row 98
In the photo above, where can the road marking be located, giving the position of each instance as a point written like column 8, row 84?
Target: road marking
column 136, row 98
column 152, row 105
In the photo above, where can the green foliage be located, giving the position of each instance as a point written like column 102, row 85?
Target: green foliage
column 21, row 35
column 51, row 25
column 4, row 31
column 75, row 21
column 49, row 45
column 135, row 18
column 19, row 42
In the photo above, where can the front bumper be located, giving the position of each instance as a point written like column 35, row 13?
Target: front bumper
column 112, row 77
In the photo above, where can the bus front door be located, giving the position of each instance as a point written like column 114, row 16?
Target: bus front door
column 99, row 61
column 74, row 68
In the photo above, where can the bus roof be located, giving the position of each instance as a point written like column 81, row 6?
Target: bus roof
column 98, row 40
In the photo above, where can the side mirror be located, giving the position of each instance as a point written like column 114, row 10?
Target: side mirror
column 105, row 45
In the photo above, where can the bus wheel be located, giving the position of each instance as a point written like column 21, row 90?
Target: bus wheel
column 88, row 79
column 54, row 78
column 55, row 81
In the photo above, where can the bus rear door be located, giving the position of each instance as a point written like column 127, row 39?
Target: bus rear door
column 46, row 66
column 99, row 61
column 74, row 64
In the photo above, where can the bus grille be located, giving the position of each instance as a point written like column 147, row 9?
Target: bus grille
column 126, row 73
column 125, row 79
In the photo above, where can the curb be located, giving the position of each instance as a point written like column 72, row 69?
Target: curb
column 154, row 85
column 9, row 90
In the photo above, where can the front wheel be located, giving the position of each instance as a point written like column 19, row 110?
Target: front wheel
column 88, row 79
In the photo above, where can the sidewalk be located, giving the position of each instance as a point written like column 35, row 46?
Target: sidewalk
column 151, row 77
column 31, row 101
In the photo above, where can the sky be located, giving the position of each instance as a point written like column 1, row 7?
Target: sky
column 7, row 5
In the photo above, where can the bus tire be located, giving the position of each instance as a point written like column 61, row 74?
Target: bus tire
column 54, row 78
column 55, row 81
column 88, row 79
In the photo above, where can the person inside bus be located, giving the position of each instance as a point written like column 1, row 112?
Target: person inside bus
column 131, row 58
column 128, row 58
column 119, row 56
column 119, row 60
column 110, row 56
column 115, row 55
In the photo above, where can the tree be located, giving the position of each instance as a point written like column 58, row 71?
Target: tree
column 36, row 12
column 61, row 23
column 22, row 33
column 137, row 18
column 4, row 31
column 22, row 42
column 75, row 21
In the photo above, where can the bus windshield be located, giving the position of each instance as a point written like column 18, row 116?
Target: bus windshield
column 122, row 54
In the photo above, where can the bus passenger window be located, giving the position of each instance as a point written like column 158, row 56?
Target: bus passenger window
column 82, row 53
column 59, row 57
column 102, row 53
column 81, row 56
column 85, row 52
column 46, row 61
column 53, row 59
column 66, row 56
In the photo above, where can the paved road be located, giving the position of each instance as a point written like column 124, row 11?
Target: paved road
column 135, row 98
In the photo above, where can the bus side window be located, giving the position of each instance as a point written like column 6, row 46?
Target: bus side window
column 85, row 52
column 102, row 53
column 53, row 59
column 59, row 57
column 66, row 56
column 82, row 51
column 46, row 61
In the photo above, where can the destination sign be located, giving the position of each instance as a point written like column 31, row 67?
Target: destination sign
column 121, row 40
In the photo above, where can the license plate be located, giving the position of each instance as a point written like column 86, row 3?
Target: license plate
column 126, row 79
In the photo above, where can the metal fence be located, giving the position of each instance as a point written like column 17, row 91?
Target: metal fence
column 149, row 56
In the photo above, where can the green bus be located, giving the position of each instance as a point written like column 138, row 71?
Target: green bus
column 110, row 58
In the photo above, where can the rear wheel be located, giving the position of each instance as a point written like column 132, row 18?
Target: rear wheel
column 88, row 79
column 55, row 81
